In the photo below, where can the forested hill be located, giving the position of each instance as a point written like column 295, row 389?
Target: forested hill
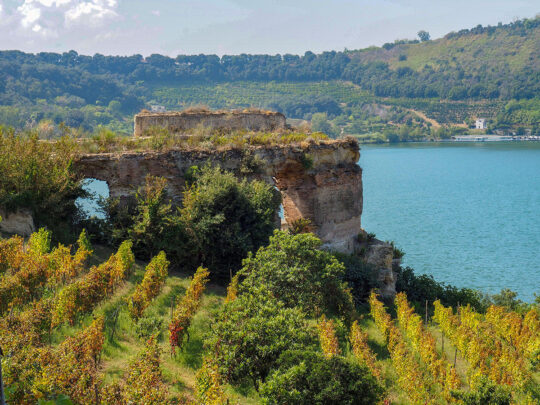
column 485, row 67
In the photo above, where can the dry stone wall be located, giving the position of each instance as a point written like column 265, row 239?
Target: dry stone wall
column 179, row 122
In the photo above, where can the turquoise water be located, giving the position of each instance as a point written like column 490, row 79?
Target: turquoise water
column 468, row 214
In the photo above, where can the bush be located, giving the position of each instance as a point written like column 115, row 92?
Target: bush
column 486, row 394
column 294, row 269
column 250, row 334
column 424, row 287
column 147, row 327
column 39, row 176
column 359, row 276
column 305, row 377
column 226, row 218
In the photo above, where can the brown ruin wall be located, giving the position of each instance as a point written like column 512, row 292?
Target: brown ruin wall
column 182, row 122
column 328, row 192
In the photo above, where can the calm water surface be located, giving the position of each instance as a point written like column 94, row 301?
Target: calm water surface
column 469, row 214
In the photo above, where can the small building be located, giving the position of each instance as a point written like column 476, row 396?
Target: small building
column 481, row 123
column 158, row 108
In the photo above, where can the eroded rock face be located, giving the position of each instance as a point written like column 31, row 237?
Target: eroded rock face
column 178, row 122
column 20, row 222
column 381, row 256
column 318, row 181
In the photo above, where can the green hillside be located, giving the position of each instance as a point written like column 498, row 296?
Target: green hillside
column 404, row 90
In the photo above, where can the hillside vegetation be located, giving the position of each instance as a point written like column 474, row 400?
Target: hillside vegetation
column 209, row 304
column 491, row 72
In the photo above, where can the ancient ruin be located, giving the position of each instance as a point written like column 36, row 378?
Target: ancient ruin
column 180, row 122
column 318, row 181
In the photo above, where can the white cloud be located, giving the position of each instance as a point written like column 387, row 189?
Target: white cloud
column 156, row 12
column 46, row 17
column 30, row 13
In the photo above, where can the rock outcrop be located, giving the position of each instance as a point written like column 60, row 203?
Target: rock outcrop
column 179, row 122
column 318, row 181
column 19, row 222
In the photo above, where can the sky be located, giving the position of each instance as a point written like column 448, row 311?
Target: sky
column 173, row 27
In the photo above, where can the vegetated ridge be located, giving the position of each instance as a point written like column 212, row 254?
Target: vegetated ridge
column 490, row 72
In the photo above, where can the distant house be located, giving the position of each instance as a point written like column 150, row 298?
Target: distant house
column 481, row 123
column 158, row 108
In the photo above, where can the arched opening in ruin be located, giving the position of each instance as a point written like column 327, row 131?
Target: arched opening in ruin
column 97, row 190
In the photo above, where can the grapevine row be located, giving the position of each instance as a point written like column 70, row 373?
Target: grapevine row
column 101, row 281
column 187, row 307
column 150, row 287
column 410, row 378
column 424, row 343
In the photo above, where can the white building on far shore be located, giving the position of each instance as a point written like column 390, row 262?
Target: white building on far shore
column 481, row 123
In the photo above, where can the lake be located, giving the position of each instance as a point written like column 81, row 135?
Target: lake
column 468, row 214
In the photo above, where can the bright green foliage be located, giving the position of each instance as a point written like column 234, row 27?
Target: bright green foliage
column 250, row 334
column 39, row 242
column 308, row 378
column 296, row 271
column 486, row 394
column 226, row 218
column 150, row 287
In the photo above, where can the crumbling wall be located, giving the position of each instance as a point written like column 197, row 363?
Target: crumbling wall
column 318, row 181
column 179, row 122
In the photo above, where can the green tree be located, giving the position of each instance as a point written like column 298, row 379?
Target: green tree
column 320, row 123
column 250, row 334
column 424, row 35
column 308, row 378
column 296, row 270
column 226, row 218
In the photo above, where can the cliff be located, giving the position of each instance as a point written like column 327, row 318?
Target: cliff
column 318, row 181
column 178, row 122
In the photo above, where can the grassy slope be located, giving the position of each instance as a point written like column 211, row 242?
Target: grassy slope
column 179, row 370
column 471, row 51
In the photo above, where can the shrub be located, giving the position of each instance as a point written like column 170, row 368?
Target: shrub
column 226, row 218
column 294, row 269
column 486, row 394
column 147, row 327
column 359, row 276
column 305, row 377
column 39, row 176
column 424, row 287
column 252, row 332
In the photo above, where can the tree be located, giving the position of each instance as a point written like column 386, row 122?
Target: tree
column 307, row 377
column 296, row 270
column 250, row 334
column 226, row 218
column 424, row 35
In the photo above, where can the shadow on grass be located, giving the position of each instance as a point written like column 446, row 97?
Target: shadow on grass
column 192, row 352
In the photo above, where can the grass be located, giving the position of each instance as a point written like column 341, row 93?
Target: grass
column 159, row 139
column 178, row 370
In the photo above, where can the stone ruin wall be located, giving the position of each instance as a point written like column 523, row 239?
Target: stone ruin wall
column 321, row 182
column 328, row 193
column 179, row 122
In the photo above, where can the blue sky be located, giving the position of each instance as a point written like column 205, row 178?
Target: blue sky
column 172, row 27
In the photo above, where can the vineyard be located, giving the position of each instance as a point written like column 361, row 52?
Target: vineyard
column 99, row 327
